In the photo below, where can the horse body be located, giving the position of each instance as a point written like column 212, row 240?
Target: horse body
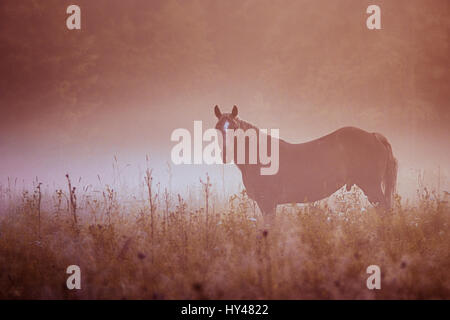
column 314, row 170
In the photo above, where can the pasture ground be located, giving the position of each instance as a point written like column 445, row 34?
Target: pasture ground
column 127, row 251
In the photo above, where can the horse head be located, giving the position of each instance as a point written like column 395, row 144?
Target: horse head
column 226, row 121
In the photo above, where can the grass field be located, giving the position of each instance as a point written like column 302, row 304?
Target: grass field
column 167, row 248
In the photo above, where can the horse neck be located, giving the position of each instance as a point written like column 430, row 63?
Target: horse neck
column 248, row 168
column 244, row 125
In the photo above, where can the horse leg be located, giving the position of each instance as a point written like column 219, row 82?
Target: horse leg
column 268, row 210
column 376, row 195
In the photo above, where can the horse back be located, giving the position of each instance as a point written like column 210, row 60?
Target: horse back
column 317, row 168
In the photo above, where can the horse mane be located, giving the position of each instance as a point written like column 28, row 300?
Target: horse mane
column 244, row 125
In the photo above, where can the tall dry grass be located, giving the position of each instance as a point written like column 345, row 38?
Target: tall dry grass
column 168, row 248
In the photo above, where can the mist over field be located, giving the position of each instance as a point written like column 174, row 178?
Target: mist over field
column 100, row 104
column 72, row 100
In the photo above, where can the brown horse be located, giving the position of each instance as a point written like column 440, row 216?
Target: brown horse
column 314, row 170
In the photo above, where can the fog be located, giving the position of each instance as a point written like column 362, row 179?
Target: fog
column 96, row 101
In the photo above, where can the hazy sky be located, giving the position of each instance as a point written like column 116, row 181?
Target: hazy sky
column 137, row 70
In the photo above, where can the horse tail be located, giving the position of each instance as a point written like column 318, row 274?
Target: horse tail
column 390, row 174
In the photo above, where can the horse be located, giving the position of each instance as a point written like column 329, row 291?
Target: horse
column 314, row 170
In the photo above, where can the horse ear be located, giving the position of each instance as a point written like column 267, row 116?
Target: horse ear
column 234, row 113
column 217, row 112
